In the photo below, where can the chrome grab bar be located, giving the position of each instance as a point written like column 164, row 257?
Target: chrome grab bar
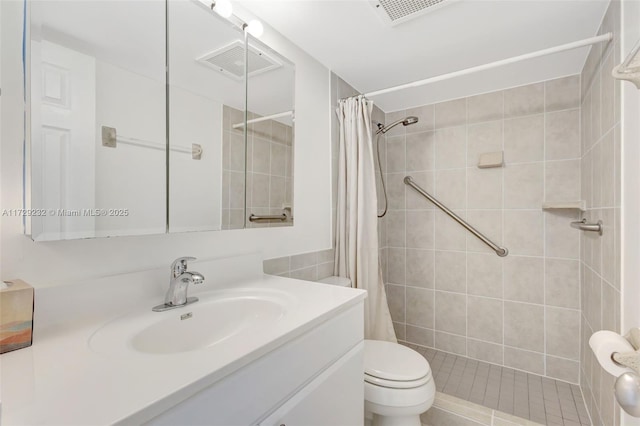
column 500, row 251
column 255, row 218
column 584, row 226
column 286, row 215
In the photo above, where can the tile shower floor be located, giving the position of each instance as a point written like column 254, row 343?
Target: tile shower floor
column 529, row 396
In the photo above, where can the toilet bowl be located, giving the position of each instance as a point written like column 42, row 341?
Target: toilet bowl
column 398, row 385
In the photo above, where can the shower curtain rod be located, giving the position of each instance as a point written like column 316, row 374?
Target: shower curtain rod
column 265, row 118
column 569, row 46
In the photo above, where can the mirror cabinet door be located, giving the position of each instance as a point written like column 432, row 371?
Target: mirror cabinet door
column 270, row 137
column 107, row 96
column 96, row 87
column 206, row 120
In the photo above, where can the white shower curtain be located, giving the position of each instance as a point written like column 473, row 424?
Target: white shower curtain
column 356, row 225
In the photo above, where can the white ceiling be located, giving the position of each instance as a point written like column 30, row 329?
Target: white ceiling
column 350, row 39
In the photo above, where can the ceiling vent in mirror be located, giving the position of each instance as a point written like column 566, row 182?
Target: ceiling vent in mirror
column 394, row 12
column 229, row 60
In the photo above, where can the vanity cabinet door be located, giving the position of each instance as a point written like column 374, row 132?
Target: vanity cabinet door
column 335, row 397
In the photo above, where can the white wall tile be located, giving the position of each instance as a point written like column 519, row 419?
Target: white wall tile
column 451, row 188
column 562, row 332
column 486, row 107
column 524, row 279
column 420, row 307
column 451, row 343
column 484, row 188
column 485, row 351
column 449, row 235
column 524, row 186
column 561, row 240
column 484, row 275
column 420, row 151
column 485, row 319
column 524, row 100
column 562, row 93
column 562, row 283
column 524, row 326
column 524, row 139
column 523, row 232
column 420, row 268
column 419, row 229
column 562, row 135
column 483, row 138
column 395, row 154
column 451, row 113
column 451, row 271
column 562, row 180
column 451, row 312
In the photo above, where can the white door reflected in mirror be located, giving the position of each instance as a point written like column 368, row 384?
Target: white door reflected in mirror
column 83, row 76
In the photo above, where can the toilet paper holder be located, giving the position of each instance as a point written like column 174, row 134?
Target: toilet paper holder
column 627, row 386
column 630, row 359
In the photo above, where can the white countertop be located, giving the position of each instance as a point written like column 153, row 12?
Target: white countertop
column 61, row 380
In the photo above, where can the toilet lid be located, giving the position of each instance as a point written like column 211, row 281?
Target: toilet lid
column 396, row 384
column 391, row 361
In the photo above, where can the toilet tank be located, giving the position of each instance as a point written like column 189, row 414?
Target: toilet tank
column 339, row 281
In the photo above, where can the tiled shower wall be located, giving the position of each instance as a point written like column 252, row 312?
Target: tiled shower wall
column 269, row 170
column 601, row 183
column 445, row 288
column 233, row 159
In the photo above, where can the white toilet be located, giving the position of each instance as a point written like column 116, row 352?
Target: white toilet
column 398, row 385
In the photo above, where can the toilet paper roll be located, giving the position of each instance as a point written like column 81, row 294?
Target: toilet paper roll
column 603, row 344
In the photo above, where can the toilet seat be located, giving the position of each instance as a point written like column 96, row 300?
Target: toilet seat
column 394, row 366
column 396, row 384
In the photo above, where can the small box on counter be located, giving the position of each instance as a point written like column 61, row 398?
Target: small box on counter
column 16, row 315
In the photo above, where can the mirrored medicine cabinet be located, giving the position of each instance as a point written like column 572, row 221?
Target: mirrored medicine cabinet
column 136, row 129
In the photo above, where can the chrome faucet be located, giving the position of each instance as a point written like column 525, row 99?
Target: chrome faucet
column 179, row 282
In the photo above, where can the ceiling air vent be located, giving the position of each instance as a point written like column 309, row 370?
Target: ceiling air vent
column 394, row 12
column 229, row 60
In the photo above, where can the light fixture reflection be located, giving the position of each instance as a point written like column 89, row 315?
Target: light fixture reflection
column 222, row 8
column 255, row 28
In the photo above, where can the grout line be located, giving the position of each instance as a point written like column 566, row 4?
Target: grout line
column 544, row 229
column 466, row 237
column 502, row 263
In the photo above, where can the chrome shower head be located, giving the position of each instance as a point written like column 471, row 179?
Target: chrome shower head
column 405, row 122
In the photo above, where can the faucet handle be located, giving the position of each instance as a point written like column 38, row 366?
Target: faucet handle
column 179, row 266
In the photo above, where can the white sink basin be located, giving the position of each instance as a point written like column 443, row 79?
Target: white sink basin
column 217, row 317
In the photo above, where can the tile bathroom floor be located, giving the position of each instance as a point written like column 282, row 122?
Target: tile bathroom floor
column 529, row 396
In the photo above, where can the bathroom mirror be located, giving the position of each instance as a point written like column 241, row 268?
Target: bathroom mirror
column 206, row 116
column 106, row 99
column 95, row 161
column 270, row 137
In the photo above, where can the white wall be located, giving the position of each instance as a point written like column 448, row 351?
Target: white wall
column 630, row 183
column 130, row 177
column 54, row 263
column 195, row 119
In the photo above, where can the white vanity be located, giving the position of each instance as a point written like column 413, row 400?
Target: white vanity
column 254, row 350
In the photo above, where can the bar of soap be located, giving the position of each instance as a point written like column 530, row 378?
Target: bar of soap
column 16, row 316
column 491, row 159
